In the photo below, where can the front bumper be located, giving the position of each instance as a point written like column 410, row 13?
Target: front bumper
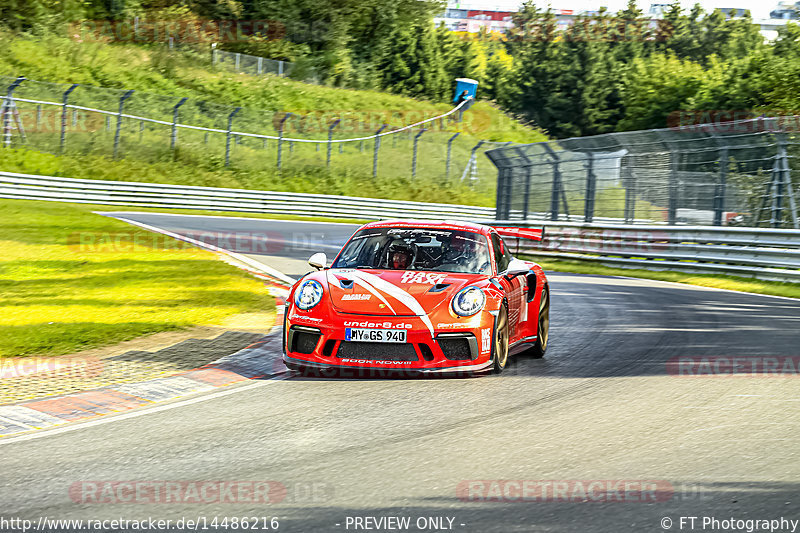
column 452, row 347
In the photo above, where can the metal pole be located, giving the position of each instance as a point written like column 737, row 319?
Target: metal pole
column 122, row 99
column 414, row 157
column 7, row 110
column 280, row 68
column 781, row 163
column 260, row 65
column 174, row 136
column 526, row 198
column 377, row 147
column 591, row 188
column 719, row 192
column 630, row 196
column 473, row 161
column 449, row 152
column 228, row 136
column 330, row 138
column 238, row 60
column 64, row 106
column 555, row 193
column 280, row 137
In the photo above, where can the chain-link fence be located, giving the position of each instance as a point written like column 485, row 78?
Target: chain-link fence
column 735, row 173
column 85, row 120
column 247, row 64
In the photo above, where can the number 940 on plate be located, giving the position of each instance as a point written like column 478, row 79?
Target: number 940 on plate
column 374, row 335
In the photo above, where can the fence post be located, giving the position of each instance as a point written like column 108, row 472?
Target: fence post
column 174, row 136
column 630, row 195
column 228, row 136
column 260, row 65
column 526, row 198
column 472, row 164
column 8, row 111
column 414, row 157
column 38, row 116
column 449, row 152
column 720, row 189
column 330, row 139
column 280, row 137
column 237, row 61
column 377, row 147
column 591, row 189
column 122, row 99
column 64, row 105
column 280, row 68
column 555, row 193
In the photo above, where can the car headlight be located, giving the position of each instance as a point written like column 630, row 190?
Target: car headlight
column 308, row 294
column 468, row 301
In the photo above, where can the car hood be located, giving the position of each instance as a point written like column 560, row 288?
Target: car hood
column 394, row 292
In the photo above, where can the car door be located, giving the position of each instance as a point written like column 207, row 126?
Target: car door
column 514, row 288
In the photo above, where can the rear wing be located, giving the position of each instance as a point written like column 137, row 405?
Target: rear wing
column 532, row 234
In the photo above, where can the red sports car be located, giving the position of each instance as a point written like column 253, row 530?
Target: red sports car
column 418, row 296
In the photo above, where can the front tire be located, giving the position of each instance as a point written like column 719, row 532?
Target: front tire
column 543, row 329
column 500, row 341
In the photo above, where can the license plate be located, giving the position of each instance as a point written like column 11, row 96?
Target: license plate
column 374, row 335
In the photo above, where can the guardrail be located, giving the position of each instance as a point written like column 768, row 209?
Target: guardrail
column 772, row 254
column 31, row 187
column 769, row 254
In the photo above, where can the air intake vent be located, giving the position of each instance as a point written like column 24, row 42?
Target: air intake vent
column 427, row 354
column 439, row 287
column 346, row 283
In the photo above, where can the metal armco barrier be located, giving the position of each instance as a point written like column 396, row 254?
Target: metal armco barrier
column 31, row 187
column 772, row 254
column 769, row 254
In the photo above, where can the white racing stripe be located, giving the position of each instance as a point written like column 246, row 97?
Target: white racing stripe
column 367, row 286
column 397, row 293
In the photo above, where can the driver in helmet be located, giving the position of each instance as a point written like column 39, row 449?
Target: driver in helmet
column 400, row 257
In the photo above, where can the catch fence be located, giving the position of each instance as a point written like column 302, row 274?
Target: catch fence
column 740, row 173
column 424, row 143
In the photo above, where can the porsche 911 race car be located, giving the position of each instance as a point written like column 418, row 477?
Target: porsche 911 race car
column 418, row 296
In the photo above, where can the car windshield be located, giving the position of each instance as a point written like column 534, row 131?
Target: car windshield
column 416, row 249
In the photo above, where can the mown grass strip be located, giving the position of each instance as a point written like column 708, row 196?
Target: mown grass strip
column 72, row 280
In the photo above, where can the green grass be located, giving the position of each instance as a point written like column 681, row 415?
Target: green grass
column 58, row 297
column 734, row 283
column 160, row 77
column 153, row 69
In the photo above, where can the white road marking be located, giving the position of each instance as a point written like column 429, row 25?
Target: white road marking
column 151, row 213
column 139, row 412
column 258, row 265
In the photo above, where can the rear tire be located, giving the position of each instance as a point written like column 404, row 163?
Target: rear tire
column 543, row 327
column 500, row 341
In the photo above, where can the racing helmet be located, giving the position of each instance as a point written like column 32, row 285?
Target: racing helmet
column 401, row 255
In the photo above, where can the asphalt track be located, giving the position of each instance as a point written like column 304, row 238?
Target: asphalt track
column 601, row 405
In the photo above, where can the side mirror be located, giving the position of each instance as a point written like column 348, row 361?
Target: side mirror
column 516, row 268
column 318, row 261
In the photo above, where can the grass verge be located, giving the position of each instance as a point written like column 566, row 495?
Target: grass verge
column 734, row 283
column 57, row 297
